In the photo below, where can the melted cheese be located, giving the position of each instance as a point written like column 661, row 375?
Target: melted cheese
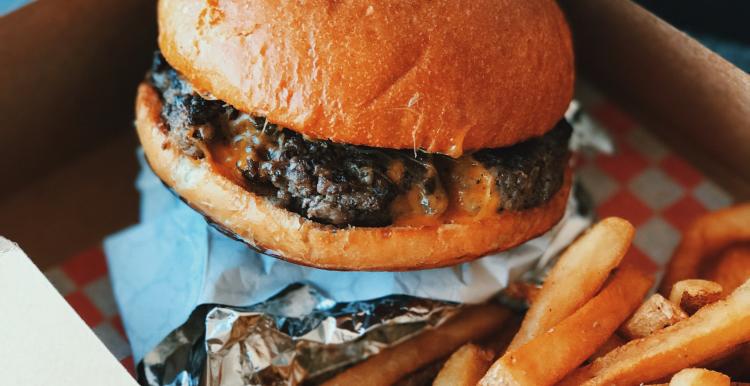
column 395, row 171
column 227, row 156
column 467, row 193
column 418, row 208
column 473, row 191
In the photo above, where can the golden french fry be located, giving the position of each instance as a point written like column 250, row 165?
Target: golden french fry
column 719, row 359
column 393, row 363
column 612, row 343
column 732, row 268
column 576, row 277
column 526, row 292
column 465, row 367
column 692, row 294
column 548, row 357
column 653, row 315
column 702, row 336
column 699, row 377
column 707, row 236
column 730, row 384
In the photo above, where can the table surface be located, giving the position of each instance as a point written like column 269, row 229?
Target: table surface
column 644, row 182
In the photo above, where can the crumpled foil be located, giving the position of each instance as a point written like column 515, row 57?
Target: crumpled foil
column 296, row 335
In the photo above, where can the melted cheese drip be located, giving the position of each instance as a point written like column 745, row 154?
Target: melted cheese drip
column 418, row 208
column 469, row 195
column 474, row 194
column 226, row 157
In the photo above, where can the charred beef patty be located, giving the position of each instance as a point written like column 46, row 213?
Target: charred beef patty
column 342, row 184
column 188, row 115
column 531, row 172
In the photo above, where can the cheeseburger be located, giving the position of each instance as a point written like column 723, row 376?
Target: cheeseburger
column 361, row 135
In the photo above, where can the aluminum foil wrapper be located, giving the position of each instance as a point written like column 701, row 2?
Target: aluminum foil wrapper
column 296, row 335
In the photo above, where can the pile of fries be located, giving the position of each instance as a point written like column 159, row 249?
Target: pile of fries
column 594, row 323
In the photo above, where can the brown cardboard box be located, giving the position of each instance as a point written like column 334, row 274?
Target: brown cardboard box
column 696, row 101
column 67, row 148
column 70, row 69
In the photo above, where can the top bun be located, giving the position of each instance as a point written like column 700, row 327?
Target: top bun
column 444, row 76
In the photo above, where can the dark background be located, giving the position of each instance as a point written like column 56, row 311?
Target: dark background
column 722, row 25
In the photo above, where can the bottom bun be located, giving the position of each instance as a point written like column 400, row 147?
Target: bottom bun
column 278, row 232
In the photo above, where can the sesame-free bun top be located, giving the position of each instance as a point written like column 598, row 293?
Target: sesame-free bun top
column 445, row 76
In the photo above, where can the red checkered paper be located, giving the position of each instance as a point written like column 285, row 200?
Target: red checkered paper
column 644, row 182
column 647, row 184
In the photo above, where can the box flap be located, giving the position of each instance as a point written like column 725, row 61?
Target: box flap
column 694, row 98
column 44, row 342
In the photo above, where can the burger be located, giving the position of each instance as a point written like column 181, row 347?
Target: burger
column 358, row 135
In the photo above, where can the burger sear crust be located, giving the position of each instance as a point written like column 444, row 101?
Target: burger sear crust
column 284, row 234
column 343, row 184
column 188, row 115
column 529, row 173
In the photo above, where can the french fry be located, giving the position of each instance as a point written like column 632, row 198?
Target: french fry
column 732, row 268
column 465, row 367
column 419, row 377
column 699, row 377
column 521, row 291
column 719, row 359
column 706, row 334
column 692, row 294
column 612, row 343
column 707, row 236
column 730, row 384
column 576, row 277
column 653, row 315
column 393, row 363
column 548, row 357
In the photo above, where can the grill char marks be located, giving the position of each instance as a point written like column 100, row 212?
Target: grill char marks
column 343, row 184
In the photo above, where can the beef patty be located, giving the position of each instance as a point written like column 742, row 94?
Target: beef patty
column 342, row 184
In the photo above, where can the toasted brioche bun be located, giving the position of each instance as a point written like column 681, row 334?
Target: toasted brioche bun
column 289, row 236
column 444, row 76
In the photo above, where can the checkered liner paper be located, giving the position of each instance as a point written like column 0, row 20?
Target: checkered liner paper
column 644, row 182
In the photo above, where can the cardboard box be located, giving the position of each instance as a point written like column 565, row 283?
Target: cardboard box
column 67, row 144
column 44, row 342
column 695, row 100
column 70, row 71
